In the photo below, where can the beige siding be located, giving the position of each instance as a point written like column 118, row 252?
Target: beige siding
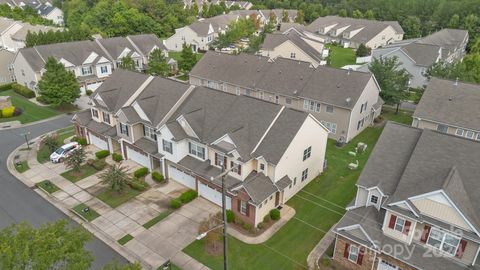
column 267, row 205
column 175, row 42
column 292, row 163
column 426, row 124
column 394, row 233
column 6, row 59
column 441, row 212
column 361, row 199
column 387, row 36
column 285, row 50
column 137, row 132
column 24, row 72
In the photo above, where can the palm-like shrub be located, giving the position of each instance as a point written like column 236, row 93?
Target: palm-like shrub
column 116, row 177
column 75, row 160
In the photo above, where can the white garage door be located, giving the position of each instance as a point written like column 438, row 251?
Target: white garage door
column 98, row 142
column 213, row 196
column 181, row 177
column 138, row 157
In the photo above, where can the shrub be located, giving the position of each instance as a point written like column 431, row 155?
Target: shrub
column 238, row 221
column 5, row 87
column 88, row 92
column 22, row 90
column 158, row 177
column 267, row 219
column 275, row 214
column 98, row 164
column 138, row 185
column 102, row 154
column 230, row 216
column 247, row 226
column 140, row 172
column 175, row 203
column 81, row 140
column 17, row 111
column 51, row 142
column 260, row 225
column 117, row 157
column 41, row 99
column 8, row 112
column 188, row 196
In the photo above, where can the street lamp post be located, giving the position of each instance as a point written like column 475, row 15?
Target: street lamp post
column 25, row 135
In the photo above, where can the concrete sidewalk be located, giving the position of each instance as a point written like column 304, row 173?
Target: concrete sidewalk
column 320, row 249
column 151, row 247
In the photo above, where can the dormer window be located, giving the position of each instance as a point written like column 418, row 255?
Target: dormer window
column 196, row 150
column 106, row 117
column 103, row 69
column 374, row 199
column 87, row 70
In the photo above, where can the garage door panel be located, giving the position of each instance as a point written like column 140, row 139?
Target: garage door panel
column 138, row 157
column 213, row 196
column 98, row 142
column 182, row 177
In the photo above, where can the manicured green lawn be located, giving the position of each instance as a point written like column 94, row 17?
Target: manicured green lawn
column 157, row 219
column 22, row 167
column 90, row 215
column 85, row 171
column 315, row 214
column 122, row 241
column 115, row 199
column 340, row 56
column 31, row 111
column 177, row 56
column 48, row 186
column 403, row 117
column 43, row 154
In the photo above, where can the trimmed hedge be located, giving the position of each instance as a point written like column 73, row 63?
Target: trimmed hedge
column 81, row 140
column 8, row 112
column 5, row 87
column 98, row 164
column 175, row 203
column 188, row 196
column 275, row 214
column 140, row 172
column 22, row 90
column 230, row 216
column 157, row 177
column 117, row 157
column 102, row 154
column 137, row 185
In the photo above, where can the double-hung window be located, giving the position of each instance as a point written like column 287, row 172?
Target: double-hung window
column 87, row 70
column 167, row 146
column 443, row 241
column 243, row 207
column 329, row 109
column 106, row 117
column 469, row 134
column 149, row 132
column 95, row 113
column 103, row 69
column 236, row 168
column 197, row 150
column 353, row 254
column 307, row 152
column 311, row 105
column 442, row 128
column 399, row 224
column 124, row 129
column 304, row 174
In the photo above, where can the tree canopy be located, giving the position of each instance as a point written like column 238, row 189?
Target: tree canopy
column 188, row 59
column 27, row 14
column 157, row 64
column 49, row 37
column 58, row 86
column 392, row 79
column 127, row 63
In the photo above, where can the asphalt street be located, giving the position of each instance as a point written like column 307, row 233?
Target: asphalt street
column 19, row 203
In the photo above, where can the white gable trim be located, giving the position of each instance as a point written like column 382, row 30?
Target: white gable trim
column 103, row 60
column 177, row 104
column 377, row 188
column 65, row 63
column 140, row 112
column 226, row 138
column 124, row 53
column 138, row 91
column 90, row 58
column 358, row 226
column 181, row 119
column 268, row 129
column 452, row 204
column 99, row 99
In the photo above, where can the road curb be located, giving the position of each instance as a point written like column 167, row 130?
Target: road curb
column 67, row 211
column 36, row 122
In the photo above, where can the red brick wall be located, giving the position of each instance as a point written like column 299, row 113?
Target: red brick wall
column 242, row 195
column 340, row 260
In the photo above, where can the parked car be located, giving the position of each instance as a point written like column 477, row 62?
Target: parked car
column 61, row 153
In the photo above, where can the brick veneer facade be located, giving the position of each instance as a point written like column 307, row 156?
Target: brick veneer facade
column 249, row 217
column 366, row 263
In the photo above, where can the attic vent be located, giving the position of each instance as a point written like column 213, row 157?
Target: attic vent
column 348, row 100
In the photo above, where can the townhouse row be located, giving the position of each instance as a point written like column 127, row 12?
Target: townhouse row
column 191, row 134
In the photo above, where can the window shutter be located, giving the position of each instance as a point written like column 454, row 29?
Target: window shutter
column 189, row 147
column 216, row 158
column 144, row 131
column 347, row 250
column 360, row 256
column 128, row 130
column 461, row 248
column 406, row 228
column 231, row 164
column 239, row 169
column 393, row 219
column 247, row 213
column 225, row 162
column 426, row 232
column 239, row 205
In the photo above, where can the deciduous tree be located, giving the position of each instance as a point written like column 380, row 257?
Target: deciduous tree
column 157, row 63
column 188, row 59
column 58, row 86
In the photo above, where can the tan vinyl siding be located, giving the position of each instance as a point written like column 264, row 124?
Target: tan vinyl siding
column 285, row 50
column 441, row 212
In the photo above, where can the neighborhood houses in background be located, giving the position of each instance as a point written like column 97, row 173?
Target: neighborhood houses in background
column 450, row 107
column 190, row 132
column 417, row 191
column 91, row 61
column 345, row 101
column 45, row 9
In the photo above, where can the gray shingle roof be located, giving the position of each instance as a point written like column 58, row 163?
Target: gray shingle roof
column 259, row 187
column 284, row 76
column 445, row 102
column 423, row 54
column 274, row 40
column 370, row 28
column 449, row 39
column 146, row 42
column 21, row 35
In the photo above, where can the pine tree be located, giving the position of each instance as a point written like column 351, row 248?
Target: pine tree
column 58, row 86
column 157, row 64
column 188, row 58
